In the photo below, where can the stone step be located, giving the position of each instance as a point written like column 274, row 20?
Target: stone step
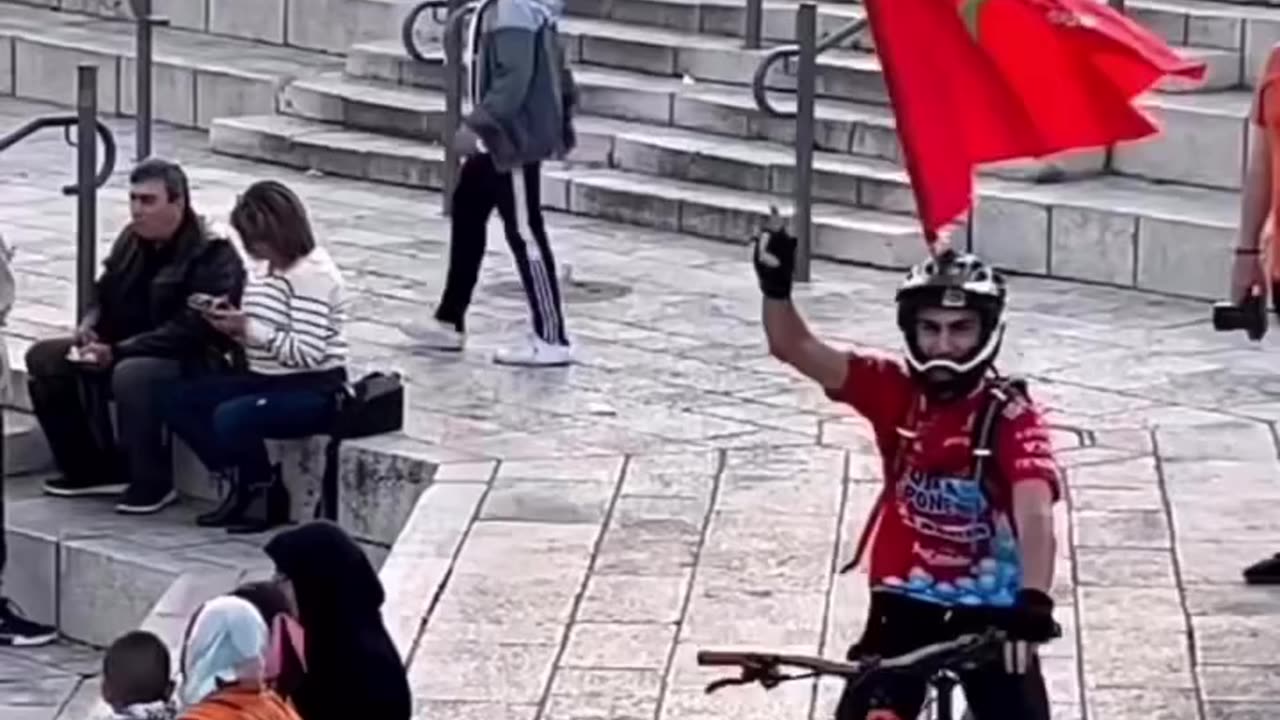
column 1157, row 225
column 1214, row 123
column 94, row 574
column 379, row 477
column 681, row 154
column 858, row 128
column 844, row 74
column 1123, row 231
column 311, row 145
column 309, row 24
column 841, row 232
column 368, row 105
column 1222, row 71
column 197, row 77
column 1203, row 140
column 25, row 449
column 713, row 17
column 1117, row 230
column 1250, row 30
column 76, row 564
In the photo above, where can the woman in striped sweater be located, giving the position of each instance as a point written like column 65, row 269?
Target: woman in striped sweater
column 290, row 325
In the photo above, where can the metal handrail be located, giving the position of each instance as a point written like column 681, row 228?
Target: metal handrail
column 145, row 23
column 67, row 122
column 458, row 10
column 759, row 84
column 89, row 129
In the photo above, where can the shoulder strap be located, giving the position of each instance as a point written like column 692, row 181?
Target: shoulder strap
column 905, row 432
column 1001, row 392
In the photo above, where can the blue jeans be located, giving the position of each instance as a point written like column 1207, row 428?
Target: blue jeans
column 224, row 419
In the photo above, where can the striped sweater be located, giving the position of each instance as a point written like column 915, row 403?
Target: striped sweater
column 296, row 317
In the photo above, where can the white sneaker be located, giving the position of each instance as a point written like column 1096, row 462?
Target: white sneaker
column 435, row 335
column 535, row 352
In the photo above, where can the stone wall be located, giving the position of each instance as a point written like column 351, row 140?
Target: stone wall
column 327, row 25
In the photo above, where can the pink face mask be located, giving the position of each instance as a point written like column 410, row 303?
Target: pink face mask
column 285, row 631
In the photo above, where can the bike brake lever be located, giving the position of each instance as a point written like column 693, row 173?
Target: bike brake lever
column 767, row 677
column 724, row 683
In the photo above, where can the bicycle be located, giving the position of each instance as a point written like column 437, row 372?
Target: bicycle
column 938, row 662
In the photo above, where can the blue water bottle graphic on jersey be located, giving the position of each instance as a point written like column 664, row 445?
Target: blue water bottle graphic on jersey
column 964, row 551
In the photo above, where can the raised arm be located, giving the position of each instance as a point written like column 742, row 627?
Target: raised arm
column 790, row 339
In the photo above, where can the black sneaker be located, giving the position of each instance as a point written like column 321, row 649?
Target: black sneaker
column 63, row 487
column 18, row 631
column 1264, row 572
column 145, row 500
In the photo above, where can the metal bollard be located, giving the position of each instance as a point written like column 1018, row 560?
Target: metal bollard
column 806, row 79
column 754, row 25
column 144, row 25
column 454, row 71
column 86, row 185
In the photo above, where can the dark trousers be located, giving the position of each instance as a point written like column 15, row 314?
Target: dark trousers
column 71, row 404
column 897, row 625
column 225, row 419
column 516, row 195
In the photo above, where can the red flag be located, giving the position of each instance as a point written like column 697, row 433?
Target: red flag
column 978, row 81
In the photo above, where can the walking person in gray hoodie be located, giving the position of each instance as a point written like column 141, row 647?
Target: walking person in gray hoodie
column 522, row 98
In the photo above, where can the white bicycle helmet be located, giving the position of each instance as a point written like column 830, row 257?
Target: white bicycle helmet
column 956, row 281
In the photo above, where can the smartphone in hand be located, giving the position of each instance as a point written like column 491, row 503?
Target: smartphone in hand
column 81, row 356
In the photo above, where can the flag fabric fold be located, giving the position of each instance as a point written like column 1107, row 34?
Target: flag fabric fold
column 979, row 81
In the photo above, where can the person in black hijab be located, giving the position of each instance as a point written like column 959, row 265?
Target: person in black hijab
column 353, row 668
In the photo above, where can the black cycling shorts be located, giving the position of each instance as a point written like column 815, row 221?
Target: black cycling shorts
column 897, row 625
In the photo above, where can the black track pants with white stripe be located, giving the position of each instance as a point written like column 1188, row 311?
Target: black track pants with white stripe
column 481, row 188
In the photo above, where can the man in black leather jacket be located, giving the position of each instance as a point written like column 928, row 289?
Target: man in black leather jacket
column 139, row 335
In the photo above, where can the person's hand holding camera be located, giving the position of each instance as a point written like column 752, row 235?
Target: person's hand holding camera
column 1246, row 273
column 1247, row 307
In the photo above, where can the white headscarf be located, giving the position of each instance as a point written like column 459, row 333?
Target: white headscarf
column 226, row 644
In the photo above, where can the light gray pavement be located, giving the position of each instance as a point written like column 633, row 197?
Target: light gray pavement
column 679, row 489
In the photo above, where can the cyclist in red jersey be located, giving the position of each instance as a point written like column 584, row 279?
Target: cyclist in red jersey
column 963, row 532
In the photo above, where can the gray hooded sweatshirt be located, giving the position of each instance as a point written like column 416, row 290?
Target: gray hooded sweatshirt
column 522, row 92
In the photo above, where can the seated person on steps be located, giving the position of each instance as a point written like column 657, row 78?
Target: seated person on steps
column 15, row 629
column 291, row 330
column 138, row 336
column 963, row 538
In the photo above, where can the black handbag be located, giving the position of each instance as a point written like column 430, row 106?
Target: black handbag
column 372, row 405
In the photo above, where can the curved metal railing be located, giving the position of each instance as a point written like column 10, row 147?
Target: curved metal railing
column 760, row 84
column 66, row 122
column 454, row 18
column 440, row 10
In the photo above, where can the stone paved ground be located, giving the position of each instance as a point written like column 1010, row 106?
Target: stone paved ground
column 679, row 489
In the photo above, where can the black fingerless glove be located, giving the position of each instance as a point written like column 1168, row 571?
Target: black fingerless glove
column 775, row 261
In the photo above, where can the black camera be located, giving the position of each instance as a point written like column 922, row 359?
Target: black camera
column 1250, row 315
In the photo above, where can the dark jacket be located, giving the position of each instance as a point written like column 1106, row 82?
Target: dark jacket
column 198, row 261
column 523, row 93
column 353, row 668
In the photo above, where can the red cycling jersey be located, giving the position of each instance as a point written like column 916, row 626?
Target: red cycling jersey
column 940, row 537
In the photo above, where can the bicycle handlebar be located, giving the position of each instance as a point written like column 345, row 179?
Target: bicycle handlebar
column 763, row 667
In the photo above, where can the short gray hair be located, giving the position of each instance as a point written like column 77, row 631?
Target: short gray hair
column 167, row 172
